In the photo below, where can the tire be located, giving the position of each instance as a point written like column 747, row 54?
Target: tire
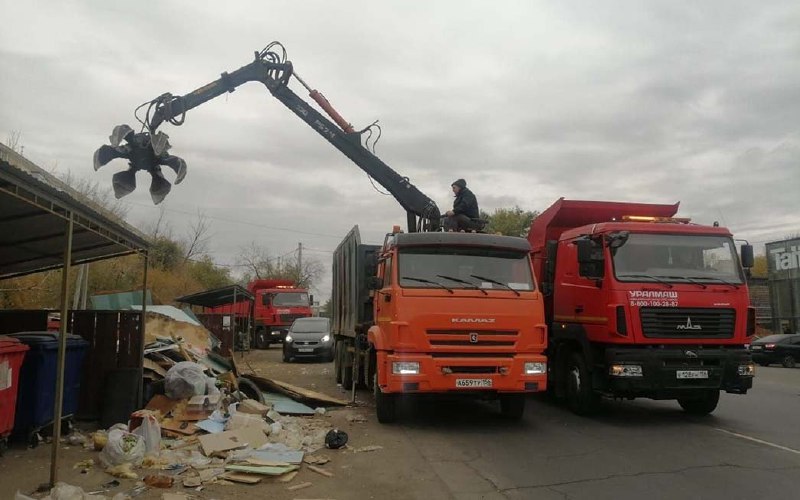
column 329, row 357
column 286, row 357
column 700, row 403
column 512, row 406
column 262, row 339
column 581, row 398
column 385, row 404
column 337, row 361
column 788, row 361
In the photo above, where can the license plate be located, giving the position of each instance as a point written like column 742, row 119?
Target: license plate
column 473, row 382
column 692, row 374
column 305, row 349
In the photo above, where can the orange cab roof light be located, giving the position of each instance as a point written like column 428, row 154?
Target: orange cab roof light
column 646, row 218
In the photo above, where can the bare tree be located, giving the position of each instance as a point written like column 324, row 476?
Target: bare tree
column 259, row 264
column 13, row 141
column 196, row 242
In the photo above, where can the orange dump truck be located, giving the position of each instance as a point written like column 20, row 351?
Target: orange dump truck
column 438, row 313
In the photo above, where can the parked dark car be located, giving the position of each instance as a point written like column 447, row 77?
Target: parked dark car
column 309, row 337
column 783, row 349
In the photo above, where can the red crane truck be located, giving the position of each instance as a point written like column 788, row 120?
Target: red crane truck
column 642, row 304
column 278, row 302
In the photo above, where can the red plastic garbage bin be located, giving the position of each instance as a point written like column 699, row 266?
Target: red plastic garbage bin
column 12, row 352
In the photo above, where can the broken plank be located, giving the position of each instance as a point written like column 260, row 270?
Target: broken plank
column 298, row 393
column 298, row 486
column 241, row 477
column 320, row 470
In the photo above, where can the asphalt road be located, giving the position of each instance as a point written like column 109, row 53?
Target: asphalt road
column 749, row 448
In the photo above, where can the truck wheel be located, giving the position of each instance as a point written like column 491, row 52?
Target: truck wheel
column 262, row 339
column 512, row 406
column 788, row 361
column 337, row 361
column 384, row 403
column 700, row 403
column 581, row 398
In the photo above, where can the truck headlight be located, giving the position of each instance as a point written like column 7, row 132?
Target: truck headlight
column 535, row 368
column 748, row 370
column 625, row 370
column 326, row 338
column 405, row 368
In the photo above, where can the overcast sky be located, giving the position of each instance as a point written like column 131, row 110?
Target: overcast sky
column 697, row 102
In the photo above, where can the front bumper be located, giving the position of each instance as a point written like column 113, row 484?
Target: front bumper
column 439, row 374
column 298, row 351
column 660, row 367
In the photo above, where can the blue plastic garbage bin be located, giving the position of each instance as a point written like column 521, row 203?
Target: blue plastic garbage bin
column 37, row 380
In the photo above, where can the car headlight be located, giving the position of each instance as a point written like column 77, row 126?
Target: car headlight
column 288, row 337
column 748, row 370
column 405, row 368
column 326, row 338
column 535, row 368
column 620, row 370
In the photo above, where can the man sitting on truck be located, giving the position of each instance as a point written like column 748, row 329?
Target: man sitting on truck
column 465, row 209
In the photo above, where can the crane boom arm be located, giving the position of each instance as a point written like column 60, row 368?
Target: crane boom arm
column 422, row 212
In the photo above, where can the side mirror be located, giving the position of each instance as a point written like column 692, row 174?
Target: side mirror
column 375, row 283
column 747, row 256
column 589, row 251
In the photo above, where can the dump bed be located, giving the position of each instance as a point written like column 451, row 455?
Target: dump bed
column 353, row 265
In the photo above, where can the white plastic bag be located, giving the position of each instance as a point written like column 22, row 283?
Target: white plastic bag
column 122, row 447
column 150, row 432
column 184, row 380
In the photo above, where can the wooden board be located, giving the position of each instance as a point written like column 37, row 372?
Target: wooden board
column 241, row 477
column 161, row 403
column 295, row 392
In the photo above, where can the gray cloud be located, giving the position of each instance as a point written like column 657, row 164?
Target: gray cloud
column 530, row 101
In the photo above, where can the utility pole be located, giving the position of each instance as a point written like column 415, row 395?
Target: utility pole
column 300, row 260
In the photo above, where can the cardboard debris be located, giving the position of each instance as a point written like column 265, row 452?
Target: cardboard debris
column 299, row 486
column 192, row 482
column 319, row 470
column 241, row 477
column 162, row 404
column 261, row 469
column 287, row 478
column 203, row 403
column 151, row 365
column 230, row 440
column 252, row 406
column 278, row 452
column 297, row 393
column 183, row 428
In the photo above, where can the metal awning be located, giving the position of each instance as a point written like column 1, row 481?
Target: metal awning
column 34, row 209
column 217, row 296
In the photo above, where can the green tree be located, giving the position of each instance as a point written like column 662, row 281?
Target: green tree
column 208, row 274
column 509, row 221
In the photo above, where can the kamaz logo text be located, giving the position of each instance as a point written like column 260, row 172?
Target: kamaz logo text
column 688, row 325
column 472, row 320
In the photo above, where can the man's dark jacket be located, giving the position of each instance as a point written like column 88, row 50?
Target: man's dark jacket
column 466, row 204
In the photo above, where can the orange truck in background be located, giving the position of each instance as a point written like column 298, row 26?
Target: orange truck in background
column 438, row 313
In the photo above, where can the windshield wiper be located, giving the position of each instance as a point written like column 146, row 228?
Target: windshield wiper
column 654, row 278
column 422, row 280
column 734, row 285
column 690, row 280
column 459, row 280
column 490, row 280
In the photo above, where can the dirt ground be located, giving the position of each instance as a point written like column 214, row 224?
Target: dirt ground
column 392, row 472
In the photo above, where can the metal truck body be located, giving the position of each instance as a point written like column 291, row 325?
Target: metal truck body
column 641, row 304
column 438, row 313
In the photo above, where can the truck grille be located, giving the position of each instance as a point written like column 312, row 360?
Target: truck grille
column 472, row 338
column 668, row 322
column 287, row 319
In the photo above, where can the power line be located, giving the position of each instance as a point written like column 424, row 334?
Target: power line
column 235, row 221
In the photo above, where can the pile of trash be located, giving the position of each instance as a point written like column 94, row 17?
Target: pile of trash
column 204, row 430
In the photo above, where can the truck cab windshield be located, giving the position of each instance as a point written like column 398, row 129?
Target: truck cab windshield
column 290, row 299
column 458, row 266
column 677, row 258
